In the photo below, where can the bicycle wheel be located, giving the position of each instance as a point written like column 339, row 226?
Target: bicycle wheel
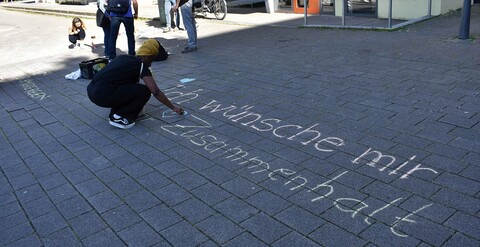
column 220, row 9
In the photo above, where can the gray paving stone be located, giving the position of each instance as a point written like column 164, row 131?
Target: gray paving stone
column 38, row 207
column 293, row 155
column 142, row 200
column 170, row 168
column 193, row 210
column 104, row 238
column 245, row 240
column 417, row 186
column 29, row 193
column 121, row 217
column 154, row 157
column 436, row 212
column 434, row 135
column 110, row 174
column 15, row 233
column 22, row 181
column 52, row 181
column 472, row 172
column 299, row 219
column 30, row 240
column 268, row 202
column 241, row 187
column 466, row 144
column 467, row 224
column 384, row 192
column 189, row 180
column 153, row 181
column 457, row 200
column 204, row 244
column 137, row 169
column 211, row 194
column 79, row 175
column 236, row 209
column 218, row 174
column 140, row 234
column 104, row 201
column 125, row 186
column 460, row 184
column 42, row 170
column 294, row 239
column 219, row 228
column 90, row 187
column 446, row 151
column 69, row 165
column 331, row 235
column 458, row 121
column 425, row 230
column 265, row 228
column 381, row 235
column 73, row 207
column 12, row 220
column 160, row 217
column 172, row 194
column 123, row 159
column 59, row 156
column 319, row 166
column 49, row 223
column 87, row 224
column 461, row 240
column 63, row 237
column 183, row 234
column 196, row 162
column 62, row 193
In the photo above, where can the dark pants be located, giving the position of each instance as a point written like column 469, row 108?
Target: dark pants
column 124, row 100
column 129, row 29
column 106, row 39
column 79, row 36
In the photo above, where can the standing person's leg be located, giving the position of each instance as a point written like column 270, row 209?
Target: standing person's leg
column 172, row 14
column 177, row 19
column 168, row 19
column 112, row 41
column 130, row 30
column 190, row 26
column 106, row 37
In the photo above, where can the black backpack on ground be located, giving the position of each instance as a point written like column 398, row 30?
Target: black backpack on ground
column 118, row 6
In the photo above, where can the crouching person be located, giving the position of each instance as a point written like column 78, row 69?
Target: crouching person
column 117, row 86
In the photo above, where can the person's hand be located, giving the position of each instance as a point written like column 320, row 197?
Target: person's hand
column 178, row 110
column 174, row 8
column 135, row 16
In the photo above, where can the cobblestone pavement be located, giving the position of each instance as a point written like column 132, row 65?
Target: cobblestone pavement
column 293, row 137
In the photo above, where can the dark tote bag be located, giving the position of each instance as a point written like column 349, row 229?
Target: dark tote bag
column 102, row 19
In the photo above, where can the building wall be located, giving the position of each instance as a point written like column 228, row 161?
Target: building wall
column 409, row 9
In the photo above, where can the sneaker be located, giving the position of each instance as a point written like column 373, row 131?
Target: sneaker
column 189, row 49
column 167, row 29
column 119, row 122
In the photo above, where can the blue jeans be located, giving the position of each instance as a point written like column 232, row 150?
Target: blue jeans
column 168, row 17
column 168, row 10
column 106, row 37
column 189, row 23
column 129, row 29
